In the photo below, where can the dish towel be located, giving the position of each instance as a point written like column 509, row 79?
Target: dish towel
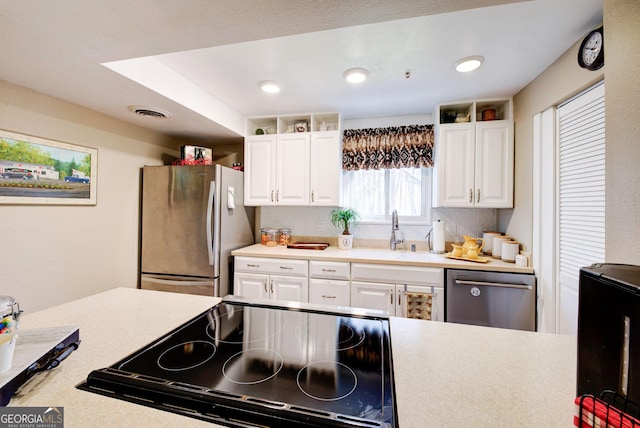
column 592, row 412
column 418, row 305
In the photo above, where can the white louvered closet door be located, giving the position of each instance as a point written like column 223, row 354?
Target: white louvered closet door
column 581, row 197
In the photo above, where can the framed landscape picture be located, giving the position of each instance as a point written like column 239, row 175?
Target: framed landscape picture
column 35, row 170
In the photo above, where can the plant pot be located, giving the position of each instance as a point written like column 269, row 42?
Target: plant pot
column 345, row 242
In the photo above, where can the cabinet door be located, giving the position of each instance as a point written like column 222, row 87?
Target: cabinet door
column 454, row 181
column 260, row 170
column 329, row 292
column 292, row 175
column 494, row 164
column 251, row 285
column 370, row 295
column 325, row 169
column 289, row 288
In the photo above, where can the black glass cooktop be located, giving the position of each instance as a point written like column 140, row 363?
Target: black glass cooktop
column 247, row 363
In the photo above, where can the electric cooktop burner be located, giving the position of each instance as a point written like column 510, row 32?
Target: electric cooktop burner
column 245, row 363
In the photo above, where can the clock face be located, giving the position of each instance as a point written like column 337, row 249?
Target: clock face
column 591, row 53
column 592, row 48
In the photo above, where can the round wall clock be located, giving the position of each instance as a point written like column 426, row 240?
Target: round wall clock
column 591, row 53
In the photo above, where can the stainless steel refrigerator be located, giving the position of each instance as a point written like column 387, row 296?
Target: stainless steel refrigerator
column 192, row 218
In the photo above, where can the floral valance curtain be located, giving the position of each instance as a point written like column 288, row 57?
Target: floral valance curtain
column 384, row 148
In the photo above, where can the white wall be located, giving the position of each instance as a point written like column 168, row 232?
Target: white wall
column 622, row 130
column 53, row 254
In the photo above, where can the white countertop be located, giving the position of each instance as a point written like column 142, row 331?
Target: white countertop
column 378, row 255
column 446, row 375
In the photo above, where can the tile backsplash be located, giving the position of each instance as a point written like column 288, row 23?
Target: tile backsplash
column 314, row 222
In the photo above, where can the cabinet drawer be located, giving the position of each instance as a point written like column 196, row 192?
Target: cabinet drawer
column 394, row 274
column 289, row 267
column 329, row 292
column 329, row 270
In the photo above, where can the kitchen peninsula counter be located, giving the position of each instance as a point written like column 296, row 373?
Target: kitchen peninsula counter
column 379, row 255
column 446, row 375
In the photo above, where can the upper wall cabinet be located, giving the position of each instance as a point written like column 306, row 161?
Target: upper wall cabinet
column 474, row 155
column 293, row 160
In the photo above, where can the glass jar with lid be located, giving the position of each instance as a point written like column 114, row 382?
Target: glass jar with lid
column 269, row 237
column 285, row 237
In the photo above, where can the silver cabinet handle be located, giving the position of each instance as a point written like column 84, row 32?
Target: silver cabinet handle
column 493, row 284
column 252, row 265
column 478, row 196
column 391, row 297
column 312, row 197
column 266, row 290
column 277, row 195
column 272, row 196
column 286, row 267
column 328, row 297
column 470, row 195
column 272, row 286
column 399, row 298
column 328, row 270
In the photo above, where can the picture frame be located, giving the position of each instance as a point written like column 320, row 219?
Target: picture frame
column 301, row 126
column 39, row 171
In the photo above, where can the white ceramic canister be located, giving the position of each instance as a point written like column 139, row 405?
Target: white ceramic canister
column 510, row 250
column 496, row 249
column 9, row 314
column 488, row 241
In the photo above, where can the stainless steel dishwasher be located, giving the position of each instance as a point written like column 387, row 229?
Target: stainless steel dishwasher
column 493, row 299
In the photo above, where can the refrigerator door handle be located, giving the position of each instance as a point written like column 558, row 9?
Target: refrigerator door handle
column 209, row 223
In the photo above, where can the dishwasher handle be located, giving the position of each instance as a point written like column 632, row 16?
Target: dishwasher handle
column 493, row 284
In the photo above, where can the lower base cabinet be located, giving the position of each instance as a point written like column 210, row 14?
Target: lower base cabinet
column 261, row 286
column 392, row 298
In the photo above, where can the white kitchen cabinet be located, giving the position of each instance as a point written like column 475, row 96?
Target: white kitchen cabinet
column 371, row 295
column 283, row 167
column 277, row 169
column 266, row 278
column 474, row 158
column 382, row 287
column 391, row 297
column 325, row 169
column 260, row 172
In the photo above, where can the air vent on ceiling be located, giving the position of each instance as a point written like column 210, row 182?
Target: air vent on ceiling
column 149, row 112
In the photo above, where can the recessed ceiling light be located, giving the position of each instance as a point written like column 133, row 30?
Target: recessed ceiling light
column 269, row 86
column 356, row 75
column 469, row 63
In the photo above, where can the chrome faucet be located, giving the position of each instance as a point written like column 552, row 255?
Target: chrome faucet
column 394, row 226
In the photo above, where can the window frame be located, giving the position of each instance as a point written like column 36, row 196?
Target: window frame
column 426, row 204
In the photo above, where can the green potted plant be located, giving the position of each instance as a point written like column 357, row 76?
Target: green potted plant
column 342, row 218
